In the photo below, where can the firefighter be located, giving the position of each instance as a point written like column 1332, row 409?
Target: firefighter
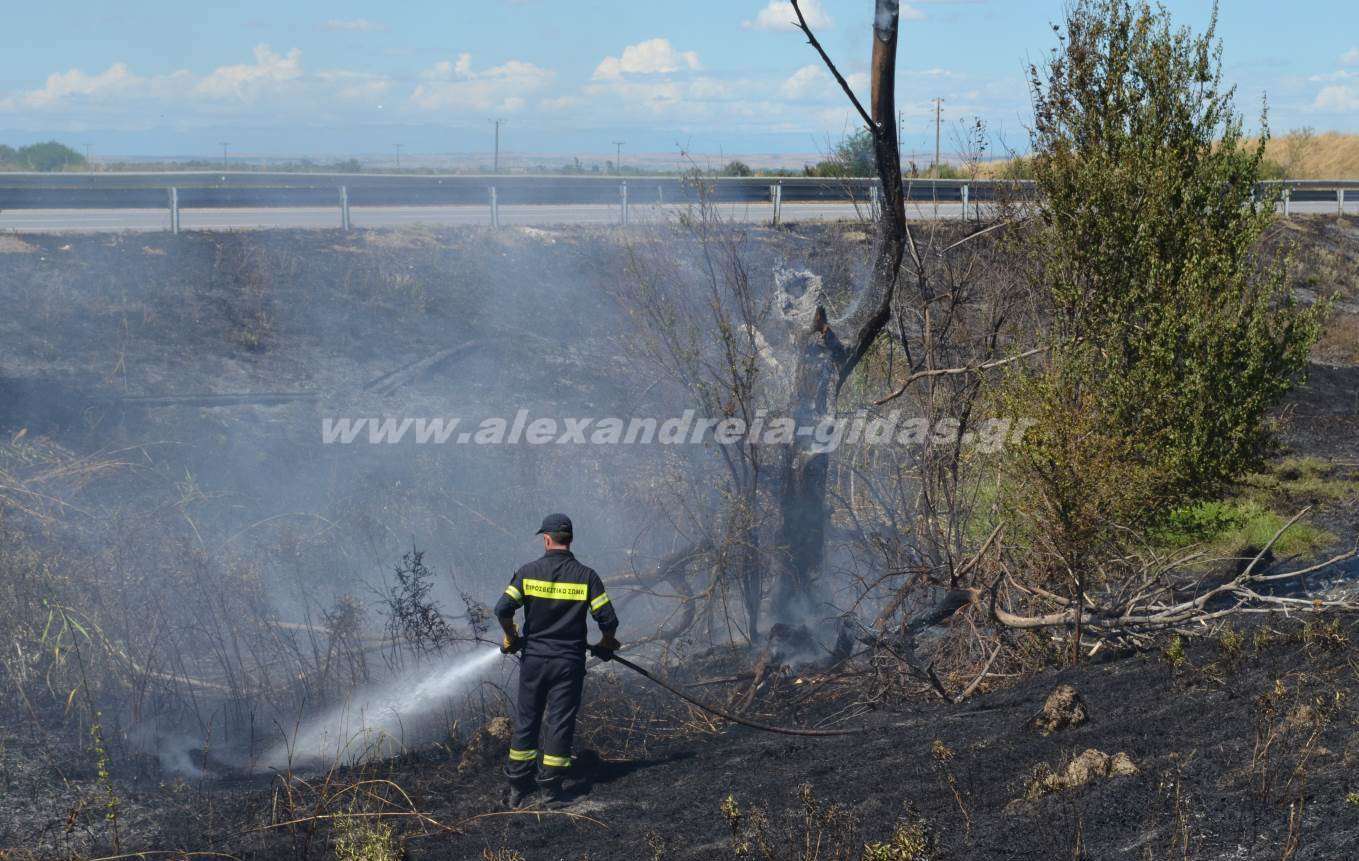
column 555, row 592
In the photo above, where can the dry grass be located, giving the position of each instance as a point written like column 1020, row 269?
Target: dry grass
column 1305, row 155
column 15, row 245
column 1339, row 343
column 1300, row 154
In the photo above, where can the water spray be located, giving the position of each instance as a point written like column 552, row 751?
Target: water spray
column 379, row 723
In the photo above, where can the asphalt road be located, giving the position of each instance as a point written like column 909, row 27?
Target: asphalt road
column 108, row 220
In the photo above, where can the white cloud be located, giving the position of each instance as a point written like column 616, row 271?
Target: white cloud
column 355, row 86
column 910, row 13
column 115, row 81
column 560, row 103
column 652, row 57
column 802, row 82
column 270, row 76
column 456, row 85
column 652, row 83
column 696, row 99
column 272, row 85
column 354, row 25
column 271, row 82
column 779, row 15
column 448, row 70
column 813, row 83
column 652, row 96
column 249, row 81
column 709, row 89
column 934, row 74
column 1338, row 98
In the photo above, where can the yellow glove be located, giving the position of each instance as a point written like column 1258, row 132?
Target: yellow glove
column 511, row 642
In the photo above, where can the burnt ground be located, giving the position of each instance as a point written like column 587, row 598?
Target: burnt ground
column 1191, row 730
column 1227, row 741
column 1243, row 749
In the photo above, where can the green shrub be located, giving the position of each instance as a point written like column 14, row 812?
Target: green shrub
column 1170, row 339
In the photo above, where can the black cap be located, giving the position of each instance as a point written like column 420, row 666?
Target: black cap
column 555, row 523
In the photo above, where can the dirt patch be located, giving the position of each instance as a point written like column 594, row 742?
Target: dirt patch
column 15, row 245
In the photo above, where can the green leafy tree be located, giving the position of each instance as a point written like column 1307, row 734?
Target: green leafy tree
column 737, row 168
column 48, row 156
column 1170, row 337
column 852, row 157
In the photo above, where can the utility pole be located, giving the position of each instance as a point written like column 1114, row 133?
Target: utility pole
column 225, row 144
column 497, row 145
column 938, row 124
column 398, row 156
column 618, row 162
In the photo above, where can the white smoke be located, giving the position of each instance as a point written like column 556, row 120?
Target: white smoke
column 174, row 750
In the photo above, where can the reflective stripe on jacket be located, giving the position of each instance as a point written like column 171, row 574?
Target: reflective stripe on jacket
column 556, row 593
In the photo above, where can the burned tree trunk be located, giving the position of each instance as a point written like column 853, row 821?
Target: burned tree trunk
column 874, row 309
column 802, row 499
column 823, row 363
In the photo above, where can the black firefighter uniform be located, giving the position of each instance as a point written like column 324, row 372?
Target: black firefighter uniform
column 556, row 592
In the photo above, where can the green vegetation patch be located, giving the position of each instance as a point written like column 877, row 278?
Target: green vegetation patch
column 1250, row 517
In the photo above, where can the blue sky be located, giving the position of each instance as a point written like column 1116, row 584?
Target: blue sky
column 321, row 79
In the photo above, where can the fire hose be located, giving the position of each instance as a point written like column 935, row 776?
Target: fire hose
column 603, row 655
column 714, row 710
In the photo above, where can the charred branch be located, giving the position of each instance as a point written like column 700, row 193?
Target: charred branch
column 1154, row 607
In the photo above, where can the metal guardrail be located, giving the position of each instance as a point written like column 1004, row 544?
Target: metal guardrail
column 225, row 190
